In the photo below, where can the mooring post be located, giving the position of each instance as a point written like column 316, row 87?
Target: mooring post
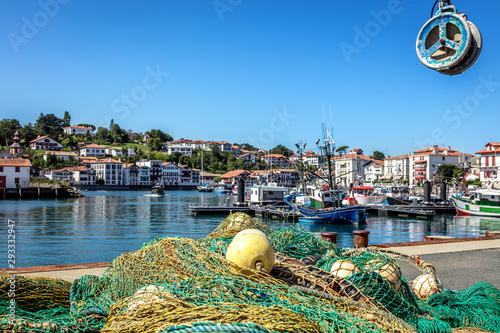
column 360, row 238
column 329, row 236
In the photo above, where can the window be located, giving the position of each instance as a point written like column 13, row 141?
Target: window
column 16, row 180
column 18, row 169
column 1, row 168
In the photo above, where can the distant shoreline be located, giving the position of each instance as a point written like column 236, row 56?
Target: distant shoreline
column 132, row 187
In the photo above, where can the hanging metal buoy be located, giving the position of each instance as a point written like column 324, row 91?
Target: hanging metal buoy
column 448, row 42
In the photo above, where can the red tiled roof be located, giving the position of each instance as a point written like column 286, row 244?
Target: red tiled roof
column 75, row 126
column 397, row 157
column 486, row 151
column 344, row 157
column 20, row 162
column 42, row 137
column 275, row 155
column 93, row 145
column 235, row 173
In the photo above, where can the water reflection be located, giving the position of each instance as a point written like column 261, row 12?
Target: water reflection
column 102, row 225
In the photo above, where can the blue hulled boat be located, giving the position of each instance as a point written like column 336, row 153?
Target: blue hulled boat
column 334, row 214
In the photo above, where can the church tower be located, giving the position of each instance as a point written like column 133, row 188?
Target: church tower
column 16, row 149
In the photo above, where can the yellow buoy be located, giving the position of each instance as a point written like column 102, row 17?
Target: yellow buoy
column 426, row 285
column 250, row 231
column 388, row 271
column 344, row 268
column 251, row 248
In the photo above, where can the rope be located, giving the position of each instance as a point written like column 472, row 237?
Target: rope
column 216, row 327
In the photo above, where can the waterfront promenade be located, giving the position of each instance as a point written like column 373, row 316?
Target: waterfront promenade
column 459, row 264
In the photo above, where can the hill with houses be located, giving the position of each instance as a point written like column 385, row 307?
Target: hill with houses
column 53, row 150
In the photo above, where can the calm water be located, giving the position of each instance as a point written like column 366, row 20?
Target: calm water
column 104, row 224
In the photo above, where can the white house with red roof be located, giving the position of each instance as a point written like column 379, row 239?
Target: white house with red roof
column 424, row 163
column 78, row 130
column 276, row 160
column 373, row 170
column 248, row 158
column 113, row 151
column 63, row 155
column 155, row 170
column 111, row 171
column 45, row 142
column 349, row 168
column 489, row 164
column 14, row 172
column 61, row 174
column 93, row 150
column 397, row 168
column 171, row 174
column 130, row 174
column 82, row 175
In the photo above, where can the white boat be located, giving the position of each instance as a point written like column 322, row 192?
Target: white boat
column 479, row 203
column 363, row 195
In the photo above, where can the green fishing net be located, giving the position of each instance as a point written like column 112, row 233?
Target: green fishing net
column 185, row 285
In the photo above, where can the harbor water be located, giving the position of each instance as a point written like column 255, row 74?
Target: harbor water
column 104, row 224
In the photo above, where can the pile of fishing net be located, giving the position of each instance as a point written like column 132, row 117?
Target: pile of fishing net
column 185, row 285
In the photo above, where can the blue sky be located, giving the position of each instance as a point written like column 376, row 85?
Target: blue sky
column 249, row 71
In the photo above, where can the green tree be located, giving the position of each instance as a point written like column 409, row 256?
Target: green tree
column 378, row 155
column 280, row 149
column 447, row 172
column 247, row 146
column 27, row 133
column 156, row 133
column 155, row 143
column 217, row 179
column 49, row 125
column 66, row 121
column 102, row 136
column 342, row 150
column 8, row 128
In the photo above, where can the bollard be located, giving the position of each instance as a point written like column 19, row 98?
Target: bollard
column 360, row 238
column 329, row 237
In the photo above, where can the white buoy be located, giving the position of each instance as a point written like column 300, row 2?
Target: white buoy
column 344, row 268
column 426, row 285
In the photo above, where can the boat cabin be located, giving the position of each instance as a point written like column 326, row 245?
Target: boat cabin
column 362, row 190
column 266, row 195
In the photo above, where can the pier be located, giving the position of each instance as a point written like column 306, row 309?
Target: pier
column 278, row 213
column 34, row 192
column 406, row 211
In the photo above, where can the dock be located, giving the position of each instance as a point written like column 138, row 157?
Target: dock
column 221, row 209
column 405, row 211
column 278, row 213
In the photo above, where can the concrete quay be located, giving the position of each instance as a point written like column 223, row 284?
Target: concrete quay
column 460, row 263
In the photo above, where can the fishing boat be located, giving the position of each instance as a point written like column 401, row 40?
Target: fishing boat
column 205, row 188
column 312, row 219
column 479, row 203
column 333, row 214
column 222, row 190
column 157, row 191
column 364, row 195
